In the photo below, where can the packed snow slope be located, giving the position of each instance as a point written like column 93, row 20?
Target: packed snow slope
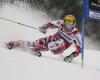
column 20, row 65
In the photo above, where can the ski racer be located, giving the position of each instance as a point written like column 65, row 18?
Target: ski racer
column 66, row 35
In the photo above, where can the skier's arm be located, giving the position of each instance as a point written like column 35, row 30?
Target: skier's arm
column 77, row 42
column 52, row 25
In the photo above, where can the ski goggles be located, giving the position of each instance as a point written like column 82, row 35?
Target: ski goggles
column 69, row 27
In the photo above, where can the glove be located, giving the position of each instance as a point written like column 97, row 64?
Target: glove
column 43, row 29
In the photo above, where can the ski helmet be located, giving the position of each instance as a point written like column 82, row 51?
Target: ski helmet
column 69, row 20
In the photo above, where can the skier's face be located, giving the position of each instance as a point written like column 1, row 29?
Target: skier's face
column 69, row 27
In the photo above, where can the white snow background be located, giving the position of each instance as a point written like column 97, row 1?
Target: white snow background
column 20, row 65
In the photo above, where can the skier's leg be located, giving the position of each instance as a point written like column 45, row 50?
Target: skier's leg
column 14, row 44
column 71, row 56
column 74, row 54
column 38, row 46
column 67, row 58
column 25, row 45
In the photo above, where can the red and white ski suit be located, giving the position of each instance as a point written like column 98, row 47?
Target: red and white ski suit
column 60, row 41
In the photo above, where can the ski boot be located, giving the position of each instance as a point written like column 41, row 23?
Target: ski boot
column 10, row 45
column 38, row 54
column 70, row 57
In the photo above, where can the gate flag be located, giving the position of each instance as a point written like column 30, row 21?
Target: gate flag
column 91, row 10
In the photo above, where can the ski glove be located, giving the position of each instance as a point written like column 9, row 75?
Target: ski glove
column 42, row 29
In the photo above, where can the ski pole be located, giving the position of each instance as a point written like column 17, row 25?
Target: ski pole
column 19, row 23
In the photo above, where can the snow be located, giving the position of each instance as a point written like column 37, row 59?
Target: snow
column 20, row 65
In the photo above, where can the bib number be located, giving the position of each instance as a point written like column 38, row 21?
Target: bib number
column 54, row 45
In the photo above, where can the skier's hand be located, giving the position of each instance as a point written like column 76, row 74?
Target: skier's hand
column 42, row 29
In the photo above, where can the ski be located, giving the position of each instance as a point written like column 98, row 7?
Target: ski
column 60, row 60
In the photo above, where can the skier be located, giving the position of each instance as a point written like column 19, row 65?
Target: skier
column 66, row 35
